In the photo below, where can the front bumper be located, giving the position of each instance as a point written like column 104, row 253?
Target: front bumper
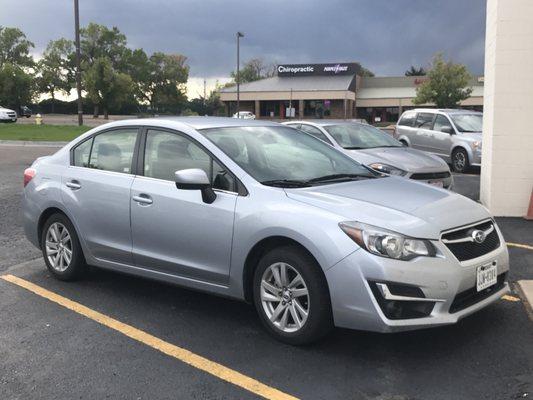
column 355, row 306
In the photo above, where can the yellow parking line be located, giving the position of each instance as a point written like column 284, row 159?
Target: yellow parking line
column 510, row 298
column 521, row 246
column 184, row 355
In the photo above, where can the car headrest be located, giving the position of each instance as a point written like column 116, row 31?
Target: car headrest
column 173, row 149
column 109, row 149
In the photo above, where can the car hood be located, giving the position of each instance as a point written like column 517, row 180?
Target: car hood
column 2, row 109
column 405, row 158
column 412, row 208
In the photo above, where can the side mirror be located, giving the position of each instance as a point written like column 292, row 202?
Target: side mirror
column 195, row 179
column 447, row 129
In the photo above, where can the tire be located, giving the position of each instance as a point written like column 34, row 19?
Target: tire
column 316, row 302
column 59, row 265
column 460, row 161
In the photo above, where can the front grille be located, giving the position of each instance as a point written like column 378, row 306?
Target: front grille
column 11, row 114
column 424, row 176
column 469, row 249
column 472, row 296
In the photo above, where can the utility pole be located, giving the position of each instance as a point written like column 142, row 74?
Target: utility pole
column 78, row 57
column 239, row 35
column 204, row 91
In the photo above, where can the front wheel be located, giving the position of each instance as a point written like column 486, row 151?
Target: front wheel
column 460, row 162
column 291, row 296
column 61, row 248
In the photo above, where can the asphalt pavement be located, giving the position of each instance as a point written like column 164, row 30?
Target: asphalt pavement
column 48, row 351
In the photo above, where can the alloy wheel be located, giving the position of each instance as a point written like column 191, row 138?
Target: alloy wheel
column 58, row 247
column 285, row 297
column 459, row 161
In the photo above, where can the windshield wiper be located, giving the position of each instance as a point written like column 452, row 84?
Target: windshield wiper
column 353, row 148
column 337, row 177
column 286, row 183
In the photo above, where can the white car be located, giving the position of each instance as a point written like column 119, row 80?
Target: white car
column 7, row 115
column 244, row 115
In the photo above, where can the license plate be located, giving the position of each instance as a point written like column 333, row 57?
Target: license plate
column 487, row 275
column 437, row 183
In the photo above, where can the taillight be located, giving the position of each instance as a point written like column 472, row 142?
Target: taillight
column 29, row 173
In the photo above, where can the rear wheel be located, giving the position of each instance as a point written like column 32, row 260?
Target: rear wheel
column 460, row 162
column 61, row 248
column 291, row 296
column 404, row 143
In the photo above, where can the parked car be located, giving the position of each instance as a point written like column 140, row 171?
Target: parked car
column 25, row 111
column 7, row 115
column 257, row 211
column 378, row 150
column 454, row 135
column 244, row 115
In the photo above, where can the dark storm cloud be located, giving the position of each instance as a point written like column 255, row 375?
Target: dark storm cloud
column 385, row 36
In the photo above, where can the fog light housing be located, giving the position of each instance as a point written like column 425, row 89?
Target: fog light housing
column 395, row 308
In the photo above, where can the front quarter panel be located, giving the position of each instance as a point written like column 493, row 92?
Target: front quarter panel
column 269, row 212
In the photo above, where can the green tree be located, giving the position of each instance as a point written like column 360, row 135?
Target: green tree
column 104, row 62
column 211, row 105
column 16, row 86
column 56, row 69
column 253, row 70
column 414, row 71
column 15, row 48
column 447, row 84
column 106, row 86
column 159, row 80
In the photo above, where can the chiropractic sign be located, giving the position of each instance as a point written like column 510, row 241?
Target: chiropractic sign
column 318, row 69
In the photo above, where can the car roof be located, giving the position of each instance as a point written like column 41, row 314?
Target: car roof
column 192, row 122
column 445, row 110
column 325, row 122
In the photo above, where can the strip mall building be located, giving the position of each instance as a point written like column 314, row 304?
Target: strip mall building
column 332, row 91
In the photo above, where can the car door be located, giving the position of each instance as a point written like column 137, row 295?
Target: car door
column 173, row 230
column 441, row 136
column 96, row 192
column 423, row 126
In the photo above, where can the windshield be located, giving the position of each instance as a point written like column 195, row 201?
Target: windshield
column 357, row 136
column 283, row 156
column 468, row 122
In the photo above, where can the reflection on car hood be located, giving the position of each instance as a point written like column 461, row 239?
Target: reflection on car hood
column 412, row 208
column 405, row 158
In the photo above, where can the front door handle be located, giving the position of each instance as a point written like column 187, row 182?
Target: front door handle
column 143, row 199
column 73, row 184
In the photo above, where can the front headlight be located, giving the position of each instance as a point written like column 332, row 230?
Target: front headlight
column 387, row 169
column 385, row 243
column 476, row 145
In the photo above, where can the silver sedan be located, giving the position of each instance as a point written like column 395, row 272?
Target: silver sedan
column 260, row 212
column 374, row 148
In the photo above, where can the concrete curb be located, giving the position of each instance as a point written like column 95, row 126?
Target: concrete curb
column 526, row 292
column 34, row 143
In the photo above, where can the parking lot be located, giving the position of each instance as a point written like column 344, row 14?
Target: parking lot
column 53, row 348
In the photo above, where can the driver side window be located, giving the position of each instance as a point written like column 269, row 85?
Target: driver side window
column 166, row 152
column 441, row 122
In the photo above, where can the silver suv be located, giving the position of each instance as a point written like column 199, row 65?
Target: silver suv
column 454, row 135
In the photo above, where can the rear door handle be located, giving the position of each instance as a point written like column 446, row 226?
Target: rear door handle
column 143, row 199
column 73, row 184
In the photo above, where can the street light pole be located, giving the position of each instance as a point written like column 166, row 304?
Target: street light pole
column 239, row 35
column 78, row 56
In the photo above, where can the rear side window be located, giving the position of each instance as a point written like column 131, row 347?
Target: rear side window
column 408, row 119
column 82, row 153
column 424, row 120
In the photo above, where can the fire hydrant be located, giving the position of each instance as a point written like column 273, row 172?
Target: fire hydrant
column 38, row 119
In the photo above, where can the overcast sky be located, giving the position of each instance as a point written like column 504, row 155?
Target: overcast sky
column 386, row 36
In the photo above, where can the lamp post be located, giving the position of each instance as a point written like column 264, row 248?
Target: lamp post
column 239, row 35
column 78, row 56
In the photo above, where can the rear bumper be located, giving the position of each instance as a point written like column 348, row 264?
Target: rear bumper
column 355, row 306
